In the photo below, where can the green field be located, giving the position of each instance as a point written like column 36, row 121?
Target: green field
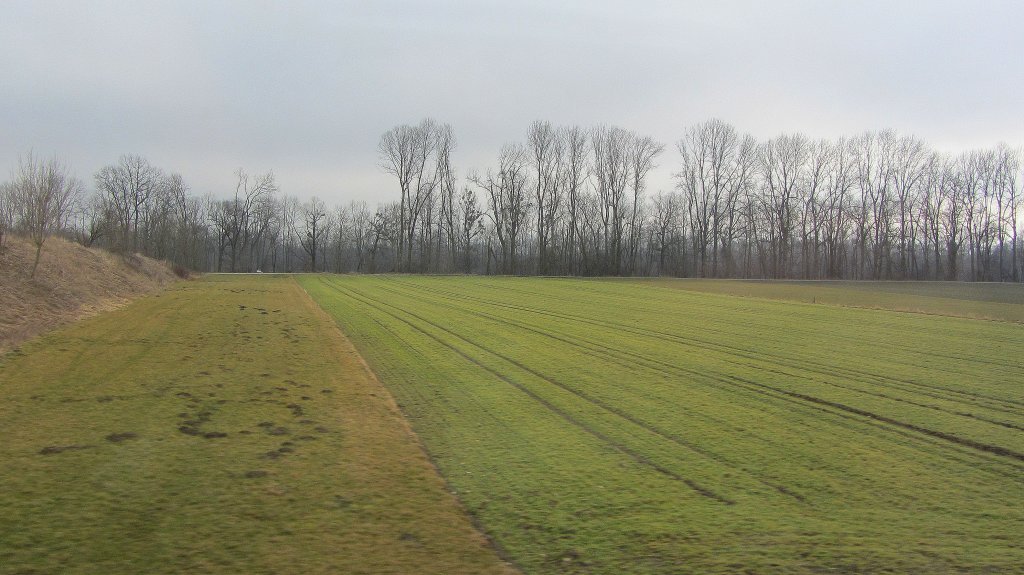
column 587, row 426
column 995, row 301
column 635, row 427
column 224, row 426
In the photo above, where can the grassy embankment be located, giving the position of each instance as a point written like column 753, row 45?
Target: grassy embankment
column 71, row 282
column 224, row 426
column 613, row 427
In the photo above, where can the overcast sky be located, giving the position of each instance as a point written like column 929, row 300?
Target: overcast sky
column 306, row 88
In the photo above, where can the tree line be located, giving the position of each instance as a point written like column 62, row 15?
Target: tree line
column 570, row 200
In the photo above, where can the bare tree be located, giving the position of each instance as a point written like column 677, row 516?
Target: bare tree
column 359, row 230
column 383, row 229
column 188, row 223
column 972, row 170
column 932, row 202
column 288, row 208
column 263, row 225
column 509, row 202
column 611, row 147
column 666, row 226
column 820, row 155
column 399, row 155
column 158, row 220
column 729, row 223
column 316, row 228
column 577, row 173
column 129, row 185
column 1008, row 206
column 244, row 218
column 834, row 209
column 954, row 187
column 6, row 210
column 1004, row 183
column 447, row 228
column 707, row 177
column 642, row 152
column 909, row 168
column 471, row 225
column 545, row 148
column 870, row 174
column 783, row 161
column 343, row 237
column 411, row 154
column 44, row 192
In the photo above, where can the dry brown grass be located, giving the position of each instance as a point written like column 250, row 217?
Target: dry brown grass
column 72, row 282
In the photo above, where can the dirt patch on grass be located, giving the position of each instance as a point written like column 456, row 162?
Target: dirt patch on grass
column 119, row 437
column 54, row 449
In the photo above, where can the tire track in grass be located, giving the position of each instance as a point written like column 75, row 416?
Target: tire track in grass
column 668, row 436
column 965, row 442
column 820, row 368
column 603, row 437
column 771, row 394
column 609, row 353
column 630, row 360
column 655, row 289
column 673, row 370
column 932, row 432
column 417, row 391
column 853, row 525
column 617, row 445
column 919, row 350
column 828, row 369
column 450, row 296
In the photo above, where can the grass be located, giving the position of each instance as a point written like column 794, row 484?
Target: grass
column 224, row 426
column 994, row 301
column 614, row 426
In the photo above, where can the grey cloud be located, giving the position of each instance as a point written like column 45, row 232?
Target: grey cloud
column 307, row 88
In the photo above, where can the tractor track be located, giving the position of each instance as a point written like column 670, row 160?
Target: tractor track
column 617, row 445
column 802, row 397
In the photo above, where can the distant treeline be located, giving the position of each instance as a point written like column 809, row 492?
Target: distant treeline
column 575, row 201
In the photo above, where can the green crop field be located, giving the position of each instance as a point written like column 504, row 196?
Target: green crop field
column 634, row 427
column 996, row 301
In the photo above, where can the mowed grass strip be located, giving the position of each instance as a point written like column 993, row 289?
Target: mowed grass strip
column 224, row 426
column 609, row 427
